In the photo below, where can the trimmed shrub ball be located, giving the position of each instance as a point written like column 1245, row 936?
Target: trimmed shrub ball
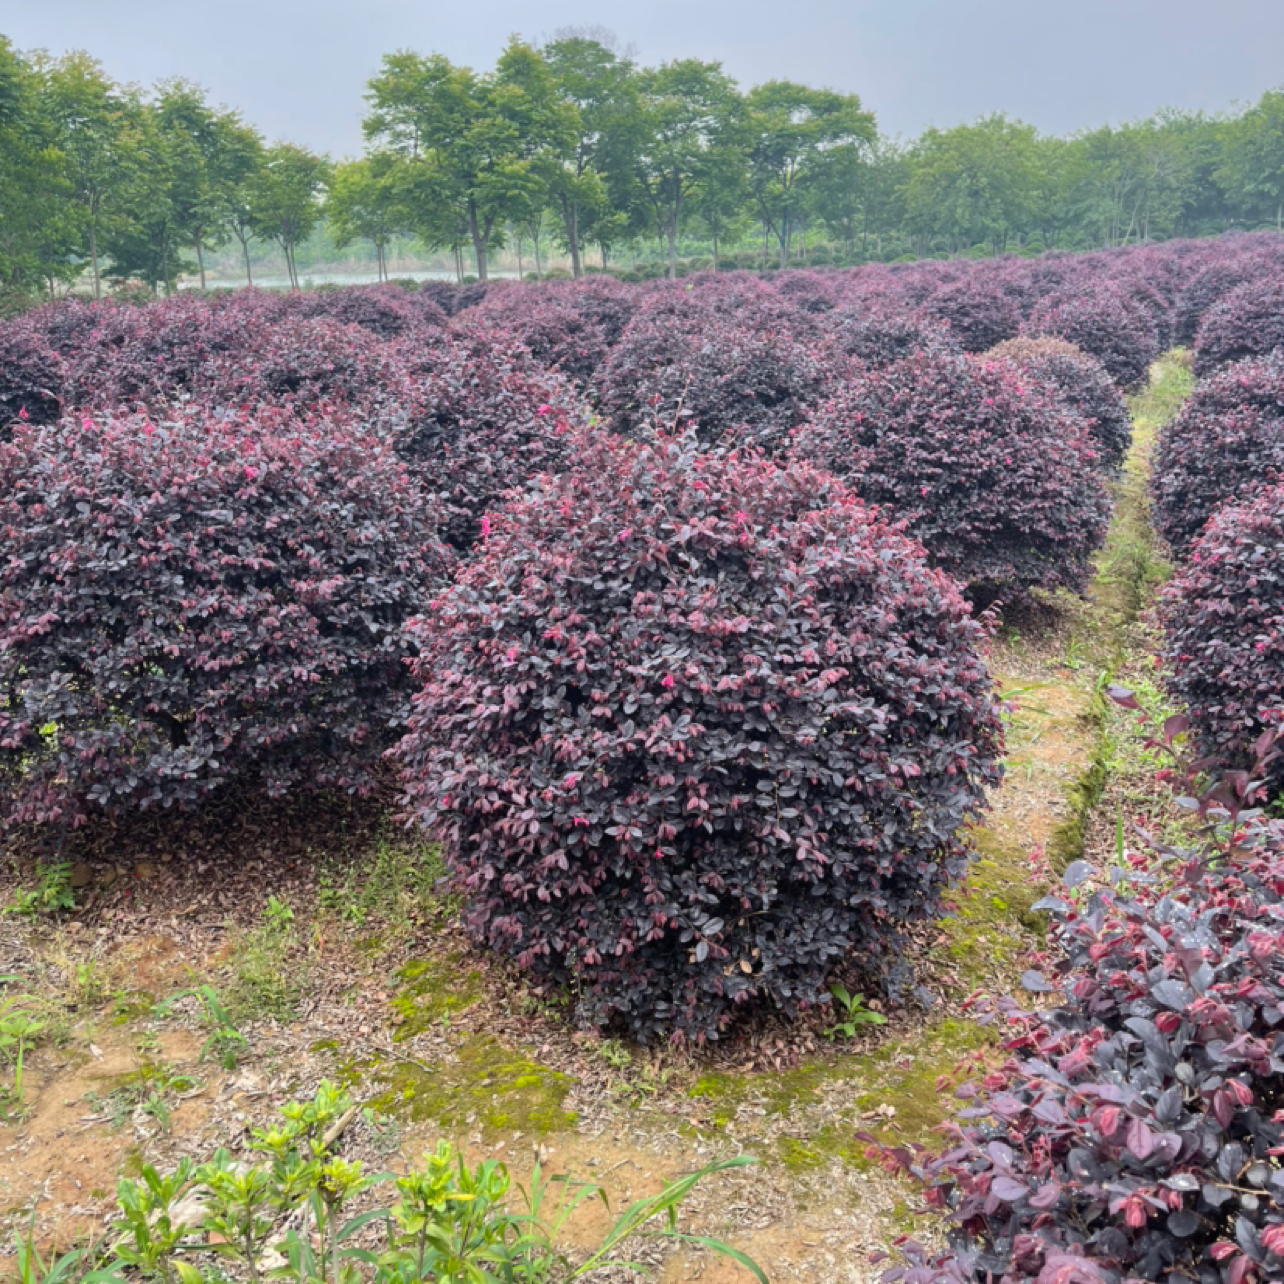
column 1082, row 384
column 476, row 419
column 996, row 478
column 32, row 375
column 978, row 313
column 384, row 310
column 555, row 331
column 1246, row 322
column 1108, row 1140
column 191, row 603
column 1224, row 629
column 1227, row 439
column 694, row 730
column 877, row 337
column 1107, row 325
column 683, row 363
column 1205, row 289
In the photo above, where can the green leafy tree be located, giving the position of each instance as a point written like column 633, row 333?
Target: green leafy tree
column 284, row 198
column 98, row 131
column 483, row 147
column 686, row 111
column 366, row 201
column 1253, row 169
column 599, row 83
column 974, row 183
column 795, row 130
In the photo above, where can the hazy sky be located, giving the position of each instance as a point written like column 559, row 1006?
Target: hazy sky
column 297, row 69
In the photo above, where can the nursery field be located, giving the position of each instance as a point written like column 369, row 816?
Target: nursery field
column 882, row 742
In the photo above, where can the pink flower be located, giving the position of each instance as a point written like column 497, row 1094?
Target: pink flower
column 922, row 490
column 87, row 424
column 485, row 527
column 250, row 473
column 543, row 410
column 570, row 780
column 624, row 534
column 742, row 517
column 579, row 820
column 22, row 414
column 667, row 681
column 511, row 654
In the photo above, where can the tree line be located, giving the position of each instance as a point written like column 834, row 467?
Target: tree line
column 574, row 146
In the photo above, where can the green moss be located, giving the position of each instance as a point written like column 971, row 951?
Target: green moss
column 486, row 1086
column 432, row 989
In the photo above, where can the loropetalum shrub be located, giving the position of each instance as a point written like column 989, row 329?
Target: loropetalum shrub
column 155, row 353
column 1082, row 384
column 1205, row 289
column 978, row 313
column 386, row 311
column 1134, row 1132
column 695, row 729
column 1106, row 324
column 1223, row 620
column 686, row 363
column 1246, row 322
column 475, row 418
column 1226, row 440
column 304, row 360
column 194, row 602
column 557, row 333
column 32, row 375
column 877, row 337
column 991, row 472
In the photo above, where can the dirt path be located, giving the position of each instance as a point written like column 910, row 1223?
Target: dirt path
column 390, row 1001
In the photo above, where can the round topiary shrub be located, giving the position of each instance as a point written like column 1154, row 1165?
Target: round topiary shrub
column 1226, row 439
column 191, row 603
column 996, row 478
column 32, row 375
column 548, row 323
column 1082, row 384
column 682, row 362
column 877, row 337
column 1104, row 323
column 386, row 311
column 1205, row 289
column 978, row 313
column 475, row 418
column 693, row 737
column 1224, row 629
column 1246, row 322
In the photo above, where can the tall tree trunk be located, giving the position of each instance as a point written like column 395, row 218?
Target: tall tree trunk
column 200, row 260
column 93, row 254
column 784, row 237
column 479, row 242
column 539, row 271
column 715, row 250
column 671, row 231
column 521, row 274
column 571, row 218
column 459, row 265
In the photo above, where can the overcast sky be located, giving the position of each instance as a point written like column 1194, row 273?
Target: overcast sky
column 297, row 68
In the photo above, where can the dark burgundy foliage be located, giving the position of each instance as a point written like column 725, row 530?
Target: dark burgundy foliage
column 476, row 419
column 1135, row 1131
column 992, row 473
column 695, row 729
column 680, row 362
column 877, row 337
column 386, row 311
column 1205, row 289
column 1082, row 384
column 194, row 602
column 1106, row 324
column 1227, row 439
column 978, row 313
column 1246, row 322
column 558, row 334
column 1223, row 620
column 32, row 375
